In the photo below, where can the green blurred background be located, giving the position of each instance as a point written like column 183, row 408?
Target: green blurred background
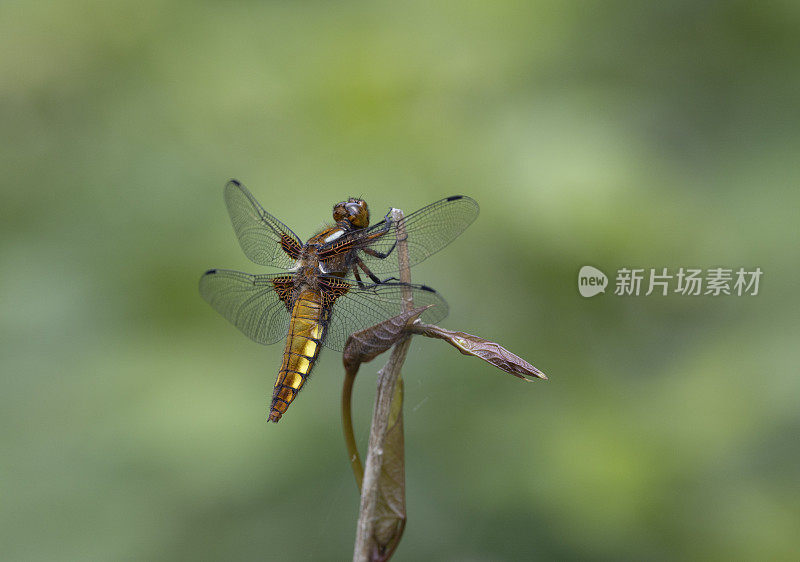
column 616, row 134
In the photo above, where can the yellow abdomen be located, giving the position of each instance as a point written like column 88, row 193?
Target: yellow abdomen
column 303, row 344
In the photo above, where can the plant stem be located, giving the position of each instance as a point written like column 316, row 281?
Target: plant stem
column 365, row 545
column 347, row 425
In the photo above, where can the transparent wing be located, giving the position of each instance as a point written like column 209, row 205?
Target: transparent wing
column 428, row 230
column 361, row 308
column 263, row 238
column 249, row 302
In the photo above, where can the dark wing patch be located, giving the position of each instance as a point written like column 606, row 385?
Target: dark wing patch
column 284, row 287
column 332, row 288
column 291, row 246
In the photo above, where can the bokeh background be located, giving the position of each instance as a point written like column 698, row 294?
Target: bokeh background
column 616, row 134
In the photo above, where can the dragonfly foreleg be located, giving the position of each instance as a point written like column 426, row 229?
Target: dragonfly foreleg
column 366, row 270
column 380, row 255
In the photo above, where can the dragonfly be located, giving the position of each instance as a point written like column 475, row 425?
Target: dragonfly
column 329, row 286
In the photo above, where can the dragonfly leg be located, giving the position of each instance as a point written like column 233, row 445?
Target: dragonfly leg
column 366, row 270
column 379, row 234
column 358, row 277
column 380, row 255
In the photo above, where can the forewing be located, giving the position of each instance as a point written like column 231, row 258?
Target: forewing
column 252, row 303
column 360, row 308
column 263, row 238
column 428, row 230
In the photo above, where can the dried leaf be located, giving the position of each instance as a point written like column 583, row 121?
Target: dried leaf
column 390, row 513
column 489, row 351
column 366, row 345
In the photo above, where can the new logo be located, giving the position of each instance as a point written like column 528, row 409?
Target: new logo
column 591, row 281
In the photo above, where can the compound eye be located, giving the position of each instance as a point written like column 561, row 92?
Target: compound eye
column 359, row 213
column 340, row 212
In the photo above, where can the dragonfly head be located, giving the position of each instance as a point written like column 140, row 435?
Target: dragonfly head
column 353, row 211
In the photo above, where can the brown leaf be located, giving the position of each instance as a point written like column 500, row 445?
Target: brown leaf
column 366, row 345
column 489, row 351
column 390, row 513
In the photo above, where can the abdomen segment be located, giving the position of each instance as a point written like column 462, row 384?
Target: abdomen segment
column 303, row 343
